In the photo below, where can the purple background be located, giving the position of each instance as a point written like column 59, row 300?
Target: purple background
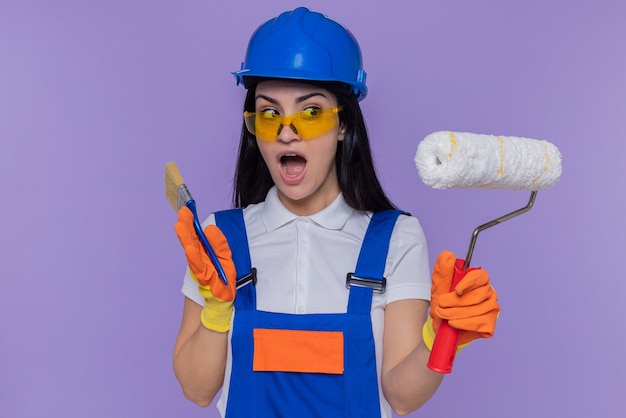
column 96, row 96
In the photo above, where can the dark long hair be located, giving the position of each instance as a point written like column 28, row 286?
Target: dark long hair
column 357, row 177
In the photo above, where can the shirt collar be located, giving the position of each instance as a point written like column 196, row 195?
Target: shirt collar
column 275, row 214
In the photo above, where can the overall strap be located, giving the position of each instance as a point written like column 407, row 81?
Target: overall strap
column 232, row 225
column 370, row 267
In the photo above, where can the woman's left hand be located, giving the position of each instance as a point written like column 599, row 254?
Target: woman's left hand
column 472, row 307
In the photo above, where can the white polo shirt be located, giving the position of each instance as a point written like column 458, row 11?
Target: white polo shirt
column 302, row 263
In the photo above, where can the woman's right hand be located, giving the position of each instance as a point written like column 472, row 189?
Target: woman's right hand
column 218, row 297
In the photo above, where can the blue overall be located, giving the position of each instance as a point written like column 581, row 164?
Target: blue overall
column 350, row 392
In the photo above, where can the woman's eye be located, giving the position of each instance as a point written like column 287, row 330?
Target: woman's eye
column 311, row 112
column 269, row 113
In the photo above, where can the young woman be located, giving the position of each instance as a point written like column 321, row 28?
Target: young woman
column 330, row 315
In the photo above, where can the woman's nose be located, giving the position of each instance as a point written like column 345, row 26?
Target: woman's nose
column 288, row 133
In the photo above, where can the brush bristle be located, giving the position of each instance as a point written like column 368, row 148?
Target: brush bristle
column 173, row 180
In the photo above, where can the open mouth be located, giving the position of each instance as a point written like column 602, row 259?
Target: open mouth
column 292, row 164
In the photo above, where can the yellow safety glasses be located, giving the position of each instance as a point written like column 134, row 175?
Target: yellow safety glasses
column 307, row 124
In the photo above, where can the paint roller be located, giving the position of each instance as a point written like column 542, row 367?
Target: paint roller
column 448, row 159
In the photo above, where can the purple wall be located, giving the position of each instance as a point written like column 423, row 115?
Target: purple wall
column 96, row 96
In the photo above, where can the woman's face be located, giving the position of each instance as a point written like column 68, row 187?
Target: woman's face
column 304, row 171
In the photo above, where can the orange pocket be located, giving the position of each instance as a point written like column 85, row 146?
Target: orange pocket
column 281, row 350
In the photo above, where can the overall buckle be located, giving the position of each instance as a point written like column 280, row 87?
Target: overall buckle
column 377, row 285
column 248, row 278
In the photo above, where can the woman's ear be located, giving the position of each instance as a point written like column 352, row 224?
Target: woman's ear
column 342, row 132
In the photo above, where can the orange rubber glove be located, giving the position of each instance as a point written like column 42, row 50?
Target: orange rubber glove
column 218, row 297
column 471, row 308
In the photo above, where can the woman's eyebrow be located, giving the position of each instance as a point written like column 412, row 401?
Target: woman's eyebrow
column 298, row 99
column 269, row 99
column 308, row 96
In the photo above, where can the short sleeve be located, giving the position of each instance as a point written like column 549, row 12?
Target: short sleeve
column 407, row 269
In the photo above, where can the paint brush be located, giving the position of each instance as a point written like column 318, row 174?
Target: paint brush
column 178, row 195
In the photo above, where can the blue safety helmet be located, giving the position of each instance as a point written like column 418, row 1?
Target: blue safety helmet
column 304, row 45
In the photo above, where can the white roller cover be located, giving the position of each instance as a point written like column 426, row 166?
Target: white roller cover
column 448, row 159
